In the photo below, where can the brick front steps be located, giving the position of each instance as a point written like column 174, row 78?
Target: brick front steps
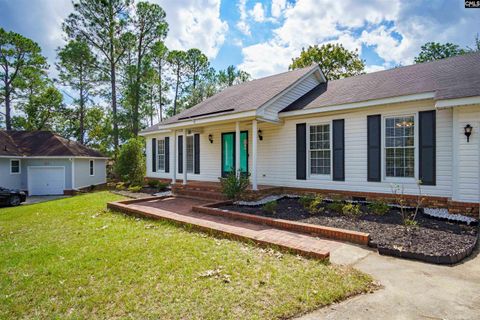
column 179, row 211
column 322, row 231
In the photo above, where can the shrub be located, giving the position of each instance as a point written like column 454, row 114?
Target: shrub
column 378, row 207
column 312, row 203
column 152, row 183
column 162, row 185
column 120, row 186
column 270, row 207
column 351, row 210
column 234, row 186
column 411, row 223
column 130, row 164
column 134, row 188
column 335, row 206
column 306, row 200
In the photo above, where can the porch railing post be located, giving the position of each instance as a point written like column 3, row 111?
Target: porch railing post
column 184, row 152
column 254, row 154
column 174, row 162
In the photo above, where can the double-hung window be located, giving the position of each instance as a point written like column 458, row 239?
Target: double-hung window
column 161, row 154
column 319, row 149
column 14, row 166
column 190, row 154
column 400, row 146
column 91, row 167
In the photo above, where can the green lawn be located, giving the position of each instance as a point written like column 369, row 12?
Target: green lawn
column 71, row 258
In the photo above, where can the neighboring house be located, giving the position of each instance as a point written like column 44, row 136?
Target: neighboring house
column 44, row 163
column 355, row 135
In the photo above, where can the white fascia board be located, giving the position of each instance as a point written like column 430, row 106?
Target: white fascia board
column 363, row 104
column 448, row 103
column 53, row 157
column 159, row 131
column 204, row 121
column 261, row 109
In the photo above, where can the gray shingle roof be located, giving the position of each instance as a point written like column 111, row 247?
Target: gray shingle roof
column 455, row 77
column 42, row 143
column 241, row 97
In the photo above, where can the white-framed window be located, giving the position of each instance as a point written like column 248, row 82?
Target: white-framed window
column 161, row 154
column 91, row 167
column 319, row 149
column 400, row 146
column 15, row 167
column 190, row 154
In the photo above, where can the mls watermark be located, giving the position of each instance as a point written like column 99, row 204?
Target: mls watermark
column 472, row 4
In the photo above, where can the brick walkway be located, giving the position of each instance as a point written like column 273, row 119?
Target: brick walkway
column 179, row 209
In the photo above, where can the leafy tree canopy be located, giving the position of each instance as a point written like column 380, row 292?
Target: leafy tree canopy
column 335, row 61
column 431, row 51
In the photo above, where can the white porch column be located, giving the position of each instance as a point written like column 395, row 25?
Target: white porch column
column 254, row 154
column 184, row 152
column 237, row 147
column 174, row 164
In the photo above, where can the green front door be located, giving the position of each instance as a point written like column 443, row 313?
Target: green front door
column 228, row 152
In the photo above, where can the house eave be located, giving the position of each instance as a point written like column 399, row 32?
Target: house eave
column 457, row 102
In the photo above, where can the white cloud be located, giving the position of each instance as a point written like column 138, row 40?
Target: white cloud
column 242, row 24
column 277, row 8
column 374, row 68
column 257, row 13
column 195, row 24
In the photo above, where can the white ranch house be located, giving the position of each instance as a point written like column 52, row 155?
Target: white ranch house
column 359, row 134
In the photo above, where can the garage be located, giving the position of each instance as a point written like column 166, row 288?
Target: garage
column 46, row 180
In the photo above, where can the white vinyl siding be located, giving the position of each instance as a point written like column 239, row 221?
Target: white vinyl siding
column 400, row 146
column 319, row 149
column 161, row 154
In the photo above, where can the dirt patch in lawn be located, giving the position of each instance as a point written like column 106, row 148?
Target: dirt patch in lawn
column 430, row 238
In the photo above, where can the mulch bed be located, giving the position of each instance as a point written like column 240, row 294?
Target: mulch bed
column 432, row 240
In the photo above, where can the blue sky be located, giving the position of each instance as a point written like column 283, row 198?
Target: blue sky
column 261, row 36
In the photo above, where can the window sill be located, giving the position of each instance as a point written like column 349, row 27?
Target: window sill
column 399, row 180
column 320, row 177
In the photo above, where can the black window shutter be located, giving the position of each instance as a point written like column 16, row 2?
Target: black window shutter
column 427, row 147
column 154, row 155
column 339, row 150
column 374, row 146
column 301, row 151
column 167, row 154
column 180, row 154
column 196, row 150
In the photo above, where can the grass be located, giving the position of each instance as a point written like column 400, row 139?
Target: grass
column 73, row 259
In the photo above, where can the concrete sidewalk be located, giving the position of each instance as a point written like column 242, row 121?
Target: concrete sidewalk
column 412, row 290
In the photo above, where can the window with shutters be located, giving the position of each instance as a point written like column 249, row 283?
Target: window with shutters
column 319, row 149
column 190, row 154
column 161, row 154
column 400, row 146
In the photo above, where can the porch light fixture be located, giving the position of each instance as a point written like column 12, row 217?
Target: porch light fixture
column 468, row 131
column 210, row 138
column 260, row 136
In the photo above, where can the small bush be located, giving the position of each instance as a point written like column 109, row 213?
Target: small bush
column 351, row 210
column 312, row 203
column 130, row 164
column 234, row 186
column 134, row 188
column 120, row 186
column 306, row 200
column 411, row 223
column 378, row 207
column 270, row 207
column 335, row 206
column 152, row 183
column 162, row 186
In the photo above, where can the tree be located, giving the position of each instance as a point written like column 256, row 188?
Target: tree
column 159, row 58
column 231, row 76
column 149, row 27
column 102, row 25
column 476, row 46
column 177, row 61
column 77, row 70
column 335, row 61
column 197, row 64
column 17, row 54
column 130, row 165
column 431, row 51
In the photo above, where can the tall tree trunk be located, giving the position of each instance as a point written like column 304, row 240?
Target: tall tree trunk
column 176, row 91
column 81, row 131
column 160, row 90
column 8, row 121
column 114, row 105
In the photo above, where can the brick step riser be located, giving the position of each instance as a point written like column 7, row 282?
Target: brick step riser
column 201, row 194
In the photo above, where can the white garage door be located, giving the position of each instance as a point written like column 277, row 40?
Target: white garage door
column 46, row 180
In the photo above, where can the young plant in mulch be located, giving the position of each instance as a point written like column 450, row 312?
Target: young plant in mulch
column 234, row 185
column 312, row 203
column 398, row 192
column 270, row 207
column 351, row 210
column 134, row 188
column 335, row 206
column 379, row 208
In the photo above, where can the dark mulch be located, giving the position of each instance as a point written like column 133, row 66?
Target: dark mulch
column 432, row 237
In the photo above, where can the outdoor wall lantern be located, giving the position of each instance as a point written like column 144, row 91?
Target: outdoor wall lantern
column 210, row 138
column 260, row 135
column 468, row 131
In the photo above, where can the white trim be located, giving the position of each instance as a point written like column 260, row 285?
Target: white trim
column 455, row 154
column 400, row 180
column 91, row 165
column 311, row 176
column 19, row 166
column 254, row 154
column 45, row 167
column 363, row 104
column 447, row 103
column 73, row 173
